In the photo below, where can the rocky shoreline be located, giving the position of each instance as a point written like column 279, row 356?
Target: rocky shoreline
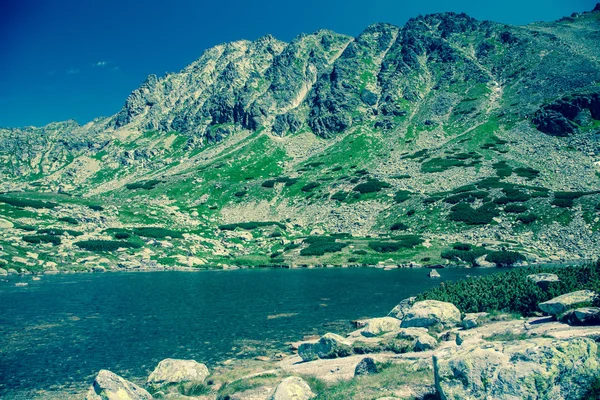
column 425, row 349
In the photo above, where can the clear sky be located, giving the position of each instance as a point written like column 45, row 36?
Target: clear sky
column 79, row 59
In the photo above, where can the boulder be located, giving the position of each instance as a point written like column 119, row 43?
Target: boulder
column 174, row 371
column 411, row 333
column 110, row 386
column 402, row 308
column 538, row 368
column 379, row 326
column 582, row 316
column 434, row 274
column 329, row 345
column 561, row 304
column 293, row 388
column 431, row 312
column 3, row 272
column 543, row 280
column 472, row 320
column 425, row 342
column 366, row 366
column 483, row 262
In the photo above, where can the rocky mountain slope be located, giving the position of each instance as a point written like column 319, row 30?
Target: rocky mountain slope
column 384, row 148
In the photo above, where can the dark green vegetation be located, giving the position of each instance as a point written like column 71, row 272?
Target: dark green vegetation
column 319, row 245
column 399, row 242
column 105, row 245
column 22, row 202
column 147, row 185
column 37, row 239
column 511, row 291
column 249, row 225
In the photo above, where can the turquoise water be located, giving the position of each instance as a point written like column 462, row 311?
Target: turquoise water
column 56, row 333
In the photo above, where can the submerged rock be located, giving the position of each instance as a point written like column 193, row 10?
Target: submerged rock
column 329, row 345
column 174, row 371
column 110, row 386
column 526, row 369
column 431, row 312
column 293, row 388
column 434, row 274
column 561, row 304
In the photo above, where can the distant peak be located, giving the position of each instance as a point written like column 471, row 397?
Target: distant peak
column 597, row 8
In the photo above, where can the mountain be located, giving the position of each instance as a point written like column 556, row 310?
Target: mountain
column 391, row 147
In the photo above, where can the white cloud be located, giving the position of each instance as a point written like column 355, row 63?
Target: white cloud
column 72, row 71
column 101, row 64
column 114, row 69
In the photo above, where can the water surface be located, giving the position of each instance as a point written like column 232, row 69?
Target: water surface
column 56, row 333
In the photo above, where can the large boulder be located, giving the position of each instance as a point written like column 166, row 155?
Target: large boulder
column 411, row 333
column 562, row 304
column 402, row 308
column 293, row 388
column 174, row 371
column 527, row 369
column 582, row 316
column 543, row 280
column 110, row 386
column 366, row 366
column 329, row 345
column 425, row 342
column 431, row 313
column 379, row 326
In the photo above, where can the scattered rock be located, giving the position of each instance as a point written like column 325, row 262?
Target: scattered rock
column 110, row 386
column 472, row 320
column 293, row 388
column 431, row 312
column 379, row 326
column 543, row 280
column 425, row 342
column 402, row 308
column 329, row 345
column 527, row 369
column 366, row 366
column 411, row 333
column 434, row 274
column 561, row 304
column 175, row 371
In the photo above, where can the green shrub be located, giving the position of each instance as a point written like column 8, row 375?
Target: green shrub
column 360, row 252
column 465, row 188
column 28, row 228
column 483, row 215
column 146, row 185
column 250, row 225
column 512, row 195
column 339, row 196
column 95, row 207
column 241, row 193
column 502, row 169
column 122, row 235
column 157, row 232
column 371, row 186
column 504, row 258
column 310, row 186
column 398, row 226
column 37, row 239
column 515, row 208
column 462, row 246
column 400, row 242
column 527, row 172
column 401, row 196
column 105, row 245
column 402, row 176
column 527, row 218
column 69, row 220
column 319, row 245
column 468, row 256
column 441, row 164
column 27, row 203
column 563, row 203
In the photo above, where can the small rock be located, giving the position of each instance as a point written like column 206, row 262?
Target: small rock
column 434, row 274
column 378, row 326
column 175, row 371
column 472, row 320
column 293, row 388
column 329, row 345
column 110, row 386
column 366, row 366
column 425, row 342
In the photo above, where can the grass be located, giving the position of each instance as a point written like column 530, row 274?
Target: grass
column 318, row 246
column 506, row 337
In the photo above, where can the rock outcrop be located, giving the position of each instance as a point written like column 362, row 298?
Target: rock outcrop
column 329, row 345
column 110, row 386
column 402, row 308
column 562, row 304
column 379, row 326
column 526, row 369
column 429, row 313
column 174, row 371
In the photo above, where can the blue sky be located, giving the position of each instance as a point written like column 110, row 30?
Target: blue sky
column 79, row 59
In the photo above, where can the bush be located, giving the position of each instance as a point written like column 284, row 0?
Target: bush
column 401, row 196
column 562, row 203
column 319, row 245
column 156, row 232
column 105, row 245
column 502, row 169
column 468, row 197
column 69, row 220
column 241, row 193
column 504, row 258
column 462, row 246
column 122, row 235
column 512, row 195
column 515, row 208
column 37, row 239
column 441, row 164
column 28, row 228
column 468, row 256
column 398, row 226
column 146, row 185
column 339, row 196
column 27, row 203
column 371, row 186
column 250, row 225
column 95, row 207
column 527, row 218
column 309, row 186
column 526, row 172
column 400, row 242
column 483, row 215
column 511, row 291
